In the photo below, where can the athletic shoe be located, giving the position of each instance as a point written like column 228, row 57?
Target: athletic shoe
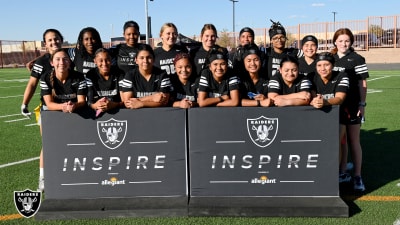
column 358, row 184
column 41, row 184
column 344, row 177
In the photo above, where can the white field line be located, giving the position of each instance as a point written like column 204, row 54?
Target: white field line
column 19, row 162
column 14, row 86
column 16, row 120
column 32, row 124
column 369, row 80
column 11, row 115
column 15, row 96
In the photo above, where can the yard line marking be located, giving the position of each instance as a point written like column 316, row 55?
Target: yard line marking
column 15, row 96
column 16, row 120
column 377, row 78
column 19, row 162
column 369, row 91
column 32, row 124
column 10, row 115
column 371, row 198
column 10, row 217
column 13, row 86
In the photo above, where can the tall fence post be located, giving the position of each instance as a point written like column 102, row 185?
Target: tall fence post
column 1, row 55
column 395, row 32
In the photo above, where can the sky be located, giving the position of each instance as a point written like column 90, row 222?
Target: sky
column 27, row 20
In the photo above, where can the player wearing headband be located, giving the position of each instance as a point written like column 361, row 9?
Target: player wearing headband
column 217, row 87
column 277, row 51
column 309, row 46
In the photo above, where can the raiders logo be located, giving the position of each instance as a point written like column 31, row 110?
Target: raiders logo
column 112, row 132
column 27, row 202
column 262, row 130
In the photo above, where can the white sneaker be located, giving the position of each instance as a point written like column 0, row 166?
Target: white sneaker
column 41, row 184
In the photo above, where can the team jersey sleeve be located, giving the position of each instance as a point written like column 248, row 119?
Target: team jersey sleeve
column 126, row 84
column 305, row 85
column 165, row 85
column 204, row 82
column 90, row 89
column 361, row 68
column 274, row 85
column 39, row 67
column 343, row 83
column 82, row 88
column 233, row 83
column 45, row 86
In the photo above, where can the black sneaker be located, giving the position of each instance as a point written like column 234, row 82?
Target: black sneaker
column 344, row 177
column 358, row 184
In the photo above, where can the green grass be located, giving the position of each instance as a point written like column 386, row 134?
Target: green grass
column 381, row 171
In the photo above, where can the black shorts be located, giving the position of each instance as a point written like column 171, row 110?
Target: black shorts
column 348, row 116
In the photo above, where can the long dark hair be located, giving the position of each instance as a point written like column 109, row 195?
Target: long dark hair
column 53, row 72
column 96, row 36
column 58, row 33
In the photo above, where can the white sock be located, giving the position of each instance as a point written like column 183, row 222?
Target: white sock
column 41, row 173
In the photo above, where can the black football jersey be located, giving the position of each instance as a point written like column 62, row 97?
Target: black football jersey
column 98, row 87
column 182, row 91
column 273, row 59
column 124, row 56
column 68, row 91
column 41, row 66
column 305, row 68
column 214, row 89
column 165, row 59
column 199, row 56
column 356, row 69
column 277, row 85
column 82, row 63
column 339, row 82
column 135, row 82
column 247, row 85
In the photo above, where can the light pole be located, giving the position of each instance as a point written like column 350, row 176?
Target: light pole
column 233, row 18
column 334, row 20
column 146, row 9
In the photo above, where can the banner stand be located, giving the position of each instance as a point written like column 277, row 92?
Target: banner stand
column 112, row 208
column 268, row 206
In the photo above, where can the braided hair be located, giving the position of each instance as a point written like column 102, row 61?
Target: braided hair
column 276, row 28
column 53, row 72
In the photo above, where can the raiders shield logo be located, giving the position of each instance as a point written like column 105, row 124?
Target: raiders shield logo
column 262, row 130
column 112, row 132
column 27, row 202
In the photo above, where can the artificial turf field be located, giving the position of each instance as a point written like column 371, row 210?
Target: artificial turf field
column 380, row 204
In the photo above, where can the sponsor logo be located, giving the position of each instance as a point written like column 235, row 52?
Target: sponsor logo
column 263, row 180
column 112, row 132
column 262, row 130
column 112, row 182
column 27, row 202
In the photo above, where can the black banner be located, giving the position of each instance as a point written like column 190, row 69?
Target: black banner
column 131, row 153
column 291, row 151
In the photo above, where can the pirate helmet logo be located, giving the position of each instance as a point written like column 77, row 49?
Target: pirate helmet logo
column 262, row 130
column 112, row 132
column 27, row 202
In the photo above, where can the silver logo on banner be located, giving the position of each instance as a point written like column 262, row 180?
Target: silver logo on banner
column 262, row 130
column 112, row 132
